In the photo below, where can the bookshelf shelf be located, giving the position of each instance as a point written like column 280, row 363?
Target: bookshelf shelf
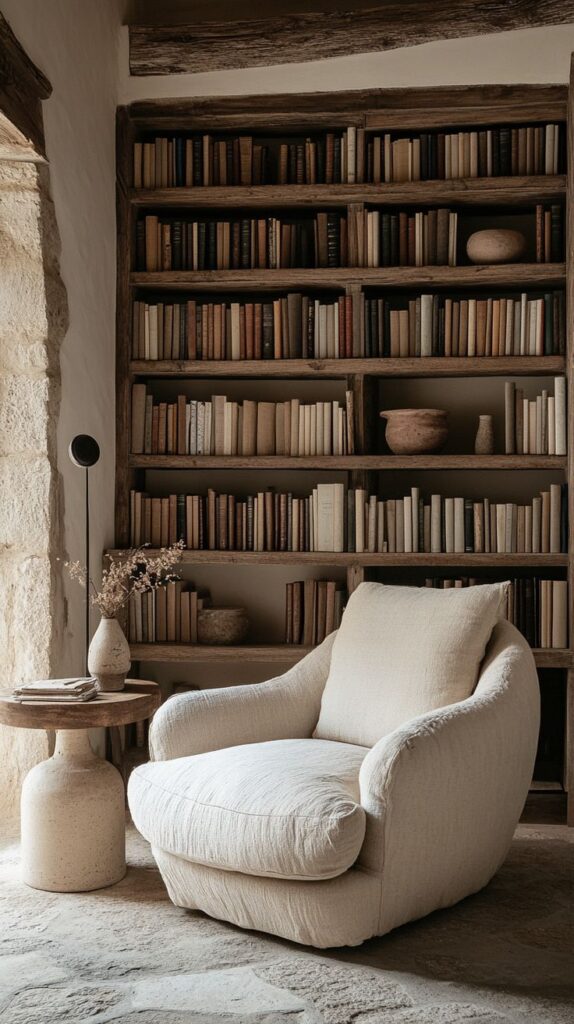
column 501, row 366
column 515, row 191
column 281, row 653
column 485, row 200
column 350, row 462
column 516, row 275
column 347, row 559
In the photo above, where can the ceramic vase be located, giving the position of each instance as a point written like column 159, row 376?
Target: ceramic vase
column 484, row 440
column 109, row 656
column 415, row 431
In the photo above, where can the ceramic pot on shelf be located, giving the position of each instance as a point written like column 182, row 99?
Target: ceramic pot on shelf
column 109, row 656
column 496, row 245
column 415, row 431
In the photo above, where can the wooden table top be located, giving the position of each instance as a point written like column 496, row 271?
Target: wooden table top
column 139, row 700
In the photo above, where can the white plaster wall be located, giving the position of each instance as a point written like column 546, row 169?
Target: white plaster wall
column 75, row 43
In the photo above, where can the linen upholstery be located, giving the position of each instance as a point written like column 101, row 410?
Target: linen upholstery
column 403, row 651
column 442, row 795
column 284, row 809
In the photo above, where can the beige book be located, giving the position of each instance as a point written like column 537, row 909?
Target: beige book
column 536, row 526
column 218, row 404
column 526, row 427
column 306, row 409
column 265, row 428
column 400, row 525
column 560, row 415
column 459, row 538
column 338, row 517
column 415, row 502
column 248, row 445
column 320, row 429
column 500, row 528
column 532, row 428
column 478, row 520
column 436, row 524
column 555, row 504
column 359, row 520
column 372, row 524
column 295, row 417
column 449, row 525
column 559, row 614
column 545, row 522
column 426, row 324
column 313, row 429
column 510, row 524
column 538, row 418
column 408, row 524
column 551, row 425
column 471, row 327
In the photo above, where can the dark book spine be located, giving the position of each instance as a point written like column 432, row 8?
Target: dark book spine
column 556, row 234
column 468, row 524
column 181, row 534
column 179, row 162
column 176, row 247
column 140, row 245
column 245, row 244
column 197, row 167
column 268, row 343
column 201, row 245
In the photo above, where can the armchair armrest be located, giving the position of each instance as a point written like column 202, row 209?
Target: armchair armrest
column 443, row 794
column 286, row 707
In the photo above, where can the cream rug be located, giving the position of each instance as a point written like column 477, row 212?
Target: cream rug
column 126, row 954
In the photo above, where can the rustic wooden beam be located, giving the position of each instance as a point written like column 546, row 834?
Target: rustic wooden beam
column 22, row 89
column 297, row 38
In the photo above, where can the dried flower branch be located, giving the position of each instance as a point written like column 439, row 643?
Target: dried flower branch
column 133, row 573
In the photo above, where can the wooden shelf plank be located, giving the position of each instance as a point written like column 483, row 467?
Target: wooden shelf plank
column 507, row 191
column 282, row 653
column 351, row 462
column 285, row 653
column 421, row 560
column 442, row 366
column 514, row 275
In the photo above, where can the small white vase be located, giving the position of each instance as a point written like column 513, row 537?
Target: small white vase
column 109, row 656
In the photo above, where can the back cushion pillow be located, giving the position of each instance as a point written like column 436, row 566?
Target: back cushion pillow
column 402, row 651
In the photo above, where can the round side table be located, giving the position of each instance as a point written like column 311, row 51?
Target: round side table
column 73, row 804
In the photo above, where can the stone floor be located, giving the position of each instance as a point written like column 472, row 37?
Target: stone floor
column 125, row 954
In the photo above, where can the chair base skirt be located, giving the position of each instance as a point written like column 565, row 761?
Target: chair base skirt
column 340, row 911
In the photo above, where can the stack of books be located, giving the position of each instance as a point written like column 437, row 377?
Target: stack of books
column 222, row 427
column 352, row 156
column 538, row 608
column 313, row 609
column 167, row 614
column 535, row 426
column 48, row 691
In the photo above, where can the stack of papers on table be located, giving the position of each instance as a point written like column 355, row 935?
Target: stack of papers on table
column 44, row 691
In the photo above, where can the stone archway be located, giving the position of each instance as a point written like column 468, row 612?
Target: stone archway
column 33, row 321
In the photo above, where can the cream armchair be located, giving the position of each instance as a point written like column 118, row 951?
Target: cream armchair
column 256, row 820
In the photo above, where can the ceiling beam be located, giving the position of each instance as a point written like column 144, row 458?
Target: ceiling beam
column 22, row 89
column 297, row 38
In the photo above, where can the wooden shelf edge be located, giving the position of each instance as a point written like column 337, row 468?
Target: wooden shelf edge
column 351, row 462
column 511, row 190
column 352, row 558
column 432, row 366
column 514, row 275
column 283, row 653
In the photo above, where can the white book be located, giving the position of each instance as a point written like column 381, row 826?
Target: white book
column 459, row 538
column 560, row 415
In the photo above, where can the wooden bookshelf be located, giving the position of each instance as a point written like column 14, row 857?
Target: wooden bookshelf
column 378, row 110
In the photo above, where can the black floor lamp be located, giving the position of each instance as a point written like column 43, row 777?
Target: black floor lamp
column 84, row 451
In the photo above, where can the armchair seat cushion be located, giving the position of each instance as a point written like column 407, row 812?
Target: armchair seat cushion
column 283, row 809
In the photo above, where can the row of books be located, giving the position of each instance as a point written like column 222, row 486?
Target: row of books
column 364, row 238
column 535, row 426
column 266, row 521
column 221, row 427
column 458, row 525
column 297, row 326
column 437, row 325
column 313, row 609
column 537, row 607
column 167, row 614
column 348, row 157
column 335, row 519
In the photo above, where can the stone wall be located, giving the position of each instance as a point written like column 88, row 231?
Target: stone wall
column 33, row 321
